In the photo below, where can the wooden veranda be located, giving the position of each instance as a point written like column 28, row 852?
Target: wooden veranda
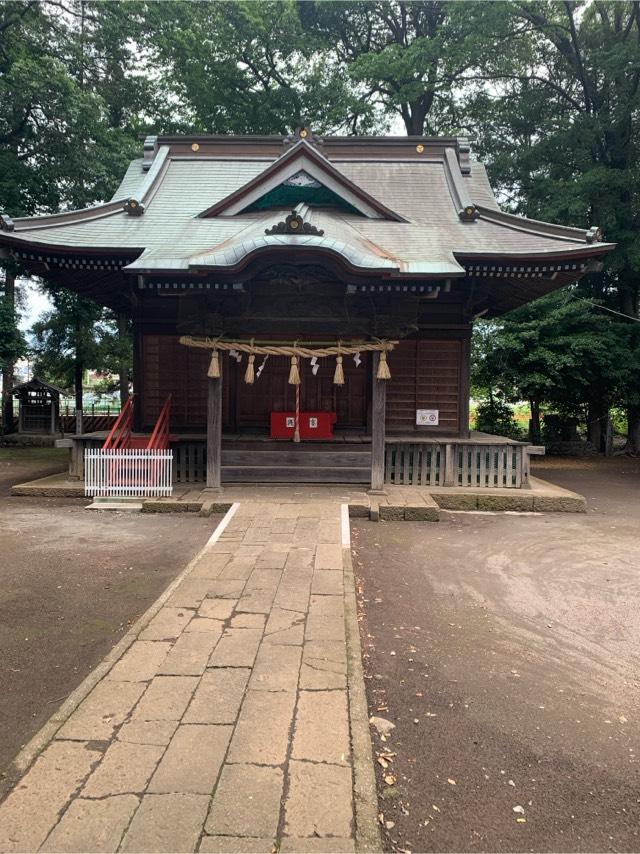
column 480, row 461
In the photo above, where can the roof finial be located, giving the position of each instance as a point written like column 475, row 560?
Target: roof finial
column 303, row 132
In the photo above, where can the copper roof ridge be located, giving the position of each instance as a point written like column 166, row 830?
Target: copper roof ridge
column 535, row 226
column 465, row 208
column 340, row 139
column 304, row 242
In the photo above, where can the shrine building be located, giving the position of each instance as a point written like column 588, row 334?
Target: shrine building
column 299, row 288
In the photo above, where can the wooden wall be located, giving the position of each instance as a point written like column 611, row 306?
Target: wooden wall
column 169, row 367
column 426, row 373
column 430, row 373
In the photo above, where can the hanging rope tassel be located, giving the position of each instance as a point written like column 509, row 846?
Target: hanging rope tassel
column 338, row 377
column 294, row 373
column 214, row 365
column 249, row 374
column 383, row 368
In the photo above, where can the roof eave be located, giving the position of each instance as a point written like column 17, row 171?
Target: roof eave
column 587, row 250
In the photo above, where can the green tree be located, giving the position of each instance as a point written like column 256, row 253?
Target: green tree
column 70, row 105
column 553, row 352
column 559, row 127
column 12, row 345
column 409, row 59
column 245, row 67
column 76, row 335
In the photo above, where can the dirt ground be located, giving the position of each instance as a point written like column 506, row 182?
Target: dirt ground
column 72, row 581
column 506, row 650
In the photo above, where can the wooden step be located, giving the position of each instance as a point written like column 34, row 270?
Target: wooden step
column 295, row 474
column 287, row 457
column 295, row 447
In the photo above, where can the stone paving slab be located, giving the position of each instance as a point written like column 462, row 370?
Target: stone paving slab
column 125, row 768
column 192, row 761
column 257, row 812
column 236, row 845
column 225, row 725
column 166, row 823
column 319, row 801
column 90, row 825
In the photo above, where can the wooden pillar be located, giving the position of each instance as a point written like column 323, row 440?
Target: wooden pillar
column 138, row 378
column 449, row 465
column 214, row 430
column 76, row 459
column 465, row 386
column 378, row 427
column 123, row 367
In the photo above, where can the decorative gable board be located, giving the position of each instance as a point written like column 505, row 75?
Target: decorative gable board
column 305, row 160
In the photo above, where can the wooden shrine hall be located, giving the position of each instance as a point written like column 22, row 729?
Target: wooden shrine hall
column 307, row 303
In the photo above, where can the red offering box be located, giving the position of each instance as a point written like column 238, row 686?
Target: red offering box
column 313, row 425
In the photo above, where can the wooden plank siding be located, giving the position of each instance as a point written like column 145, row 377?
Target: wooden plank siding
column 428, row 373
column 170, row 367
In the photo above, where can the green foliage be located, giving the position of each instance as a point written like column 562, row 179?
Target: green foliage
column 408, row 59
column 76, row 331
column 69, row 103
column 12, row 343
column 495, row 415
column 245, row 67
column 558, row 350
column 562, row 141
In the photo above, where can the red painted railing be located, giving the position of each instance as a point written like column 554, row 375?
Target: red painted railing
column 159, row 440
column 132, row 465
column 120, row 434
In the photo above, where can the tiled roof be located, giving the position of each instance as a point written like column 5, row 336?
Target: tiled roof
column 450, row 211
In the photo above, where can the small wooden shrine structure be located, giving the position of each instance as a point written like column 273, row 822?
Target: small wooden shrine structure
column 38, row 407
column 308, row 276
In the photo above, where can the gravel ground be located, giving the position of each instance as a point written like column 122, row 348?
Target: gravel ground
column 72, row 581
column 505, row 649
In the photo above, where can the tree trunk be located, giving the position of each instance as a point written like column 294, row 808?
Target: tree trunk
column 534, row 429
column 597, row 415
column 78, row 371
column 123, row 368
column 633, row 430
column 9, row 368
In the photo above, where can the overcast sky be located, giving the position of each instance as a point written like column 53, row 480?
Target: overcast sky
column 33, row 303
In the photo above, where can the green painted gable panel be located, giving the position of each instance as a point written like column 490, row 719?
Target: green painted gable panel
column 286, row 196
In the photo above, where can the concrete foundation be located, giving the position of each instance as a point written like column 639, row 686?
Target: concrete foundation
column 398, row 503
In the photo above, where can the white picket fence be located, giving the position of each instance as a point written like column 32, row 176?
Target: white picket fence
column 136, row 473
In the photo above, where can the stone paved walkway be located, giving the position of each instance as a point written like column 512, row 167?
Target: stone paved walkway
column 225, row 724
